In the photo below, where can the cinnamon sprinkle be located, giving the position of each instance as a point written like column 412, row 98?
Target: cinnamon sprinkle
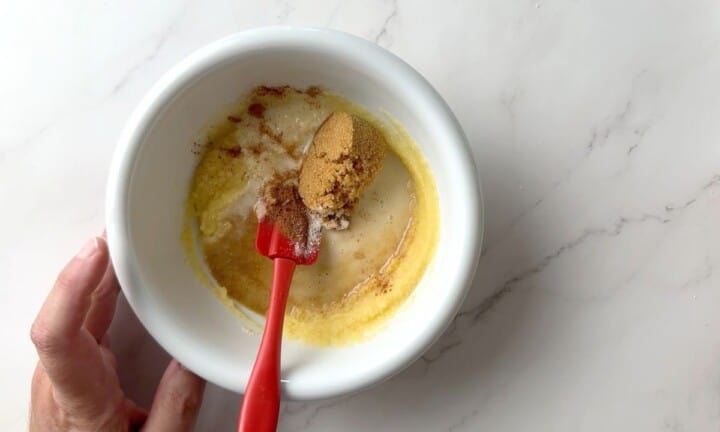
column 264, row 129
column 257, row 110
column 268, row 90
column 234, row 151
column 312, row 91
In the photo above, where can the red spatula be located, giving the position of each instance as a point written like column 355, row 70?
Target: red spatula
column 260, row 406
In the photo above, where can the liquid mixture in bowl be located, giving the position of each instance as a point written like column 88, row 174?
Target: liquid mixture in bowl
column 372, row 254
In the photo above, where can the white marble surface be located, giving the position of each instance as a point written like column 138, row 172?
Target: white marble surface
column 596, row 129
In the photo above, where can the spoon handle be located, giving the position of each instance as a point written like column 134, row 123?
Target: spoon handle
column 261, row 403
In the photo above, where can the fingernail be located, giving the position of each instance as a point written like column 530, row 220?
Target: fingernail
column 88, row 249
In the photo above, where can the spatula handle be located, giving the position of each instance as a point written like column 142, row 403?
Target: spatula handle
column 261, row 403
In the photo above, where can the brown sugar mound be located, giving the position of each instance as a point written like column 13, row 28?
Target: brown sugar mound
column 344, row 157
column 284, row 207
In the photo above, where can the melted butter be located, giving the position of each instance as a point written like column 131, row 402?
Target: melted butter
column 364, row 273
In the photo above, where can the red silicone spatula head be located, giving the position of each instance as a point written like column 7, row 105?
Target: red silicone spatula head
column 271, row 243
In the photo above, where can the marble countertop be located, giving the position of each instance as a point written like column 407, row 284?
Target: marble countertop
column 595, row 126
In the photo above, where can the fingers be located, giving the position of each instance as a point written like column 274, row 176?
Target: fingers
column 66, row 350
column 105, row 341
column 102, row 306
column 61, row 317
column 108, row 358
column 136, row 416
column 177, row 401
column 40, row 402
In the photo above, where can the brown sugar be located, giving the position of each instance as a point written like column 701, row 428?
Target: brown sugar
column 284, row 207
column 344, row 157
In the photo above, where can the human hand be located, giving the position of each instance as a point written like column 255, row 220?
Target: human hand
column 75, row 386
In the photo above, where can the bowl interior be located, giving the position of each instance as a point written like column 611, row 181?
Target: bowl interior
column 152, row 176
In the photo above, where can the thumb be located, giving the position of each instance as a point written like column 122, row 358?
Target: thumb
column 177, row 401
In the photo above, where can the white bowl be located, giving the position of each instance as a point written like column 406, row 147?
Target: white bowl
column 151, row 173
